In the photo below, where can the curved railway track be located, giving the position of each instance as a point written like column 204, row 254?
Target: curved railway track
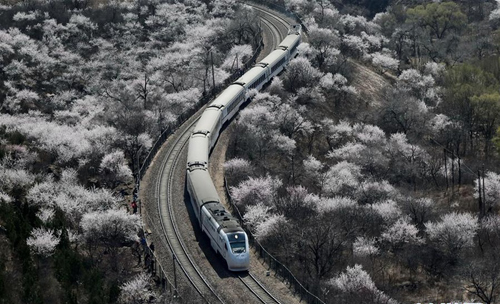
column 279, row 23
column 167, row 182
column 168, row 222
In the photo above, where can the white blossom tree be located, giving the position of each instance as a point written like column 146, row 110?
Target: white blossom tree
column 361, row 144
column 384, row 62
column 420, row 86
column 413, row 161
column 454, row 233
column 342, row 178
column 402, row 233
column 70, row 197
column 270, row 226
column 388, row 210
column 256, row 215
column 325, row 42
column 370, row 192
column 45, row 214
column 43, row 241
column 256, row 190
column 237, row 169
column 138, row 290
column 356, row 286
column 114, row 167
column 110, row 229
column 299, row 74
column 491, row 189
column 364, row 247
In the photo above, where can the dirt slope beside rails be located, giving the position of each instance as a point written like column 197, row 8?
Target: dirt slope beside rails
column 369, row 84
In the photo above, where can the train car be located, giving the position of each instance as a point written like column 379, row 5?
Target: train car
column 210, row 124
column 226, row 235
column 292, row 41
column 198, row 151
column 230, row 101
column 255, row 78
column 274, row 62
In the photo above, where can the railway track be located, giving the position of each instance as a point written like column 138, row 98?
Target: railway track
column 260, row 292
column 168, row 182
column 168, row 221
column 279, row 23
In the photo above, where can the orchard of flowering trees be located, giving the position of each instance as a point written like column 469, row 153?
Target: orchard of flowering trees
column 85, row 89
column 396, row 192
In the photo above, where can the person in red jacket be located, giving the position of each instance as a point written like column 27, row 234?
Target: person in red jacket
column 134, row 207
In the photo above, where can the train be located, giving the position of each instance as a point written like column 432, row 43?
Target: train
column 227, row 237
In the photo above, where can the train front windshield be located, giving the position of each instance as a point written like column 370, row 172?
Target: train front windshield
column 237, row 242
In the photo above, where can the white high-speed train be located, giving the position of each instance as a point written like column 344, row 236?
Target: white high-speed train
column 225, row 234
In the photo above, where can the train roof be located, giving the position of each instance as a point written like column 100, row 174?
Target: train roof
column 203, row 187
column 208, row 120
column 206, row 195
column 273, row 57
column 226, row 221
column 230, row 93
column 252, row 75
column 289, row 41
column 198, row 150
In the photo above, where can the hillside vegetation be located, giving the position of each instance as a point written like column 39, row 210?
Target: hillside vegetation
column 85, row 89
column 396, row 192
column 384, row 187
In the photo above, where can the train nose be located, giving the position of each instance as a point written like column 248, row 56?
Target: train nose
column 241, row 261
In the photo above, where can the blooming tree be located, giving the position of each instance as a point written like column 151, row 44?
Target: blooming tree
column 364, row 247
column 256, row 215
column 138, row 290
column 384, row 62
column 343, row 177
column 491, row 189
column 270, row 226
column 356, row 286
column 114, row 166
column 453, row 233
column 300, row 73
column 110, row 229
column 43, row 241
column 256, row 190
column 388, row 210
column 401, row 233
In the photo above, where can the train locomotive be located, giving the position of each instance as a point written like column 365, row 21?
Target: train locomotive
column 224, row 231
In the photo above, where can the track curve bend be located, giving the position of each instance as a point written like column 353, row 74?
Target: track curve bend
column 166, row 214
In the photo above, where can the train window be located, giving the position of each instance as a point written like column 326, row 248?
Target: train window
column 238, row 247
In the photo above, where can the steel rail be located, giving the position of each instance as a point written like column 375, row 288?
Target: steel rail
column 284, row 23
column 258, row 289
column 168, row 222
column 276, row 35
column 164, row 192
